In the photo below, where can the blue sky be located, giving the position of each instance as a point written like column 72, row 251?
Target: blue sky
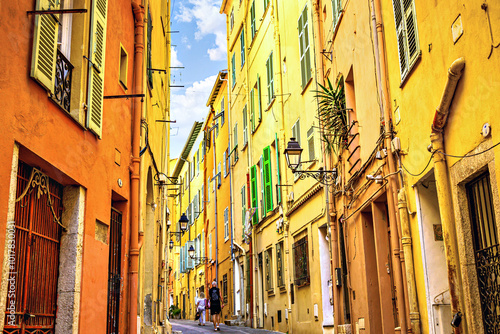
column 200, row 46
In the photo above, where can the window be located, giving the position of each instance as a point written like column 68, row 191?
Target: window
column 262, row 189
column 197, row 162
column 231, row 20
column 266, row 3
column 235, row 141
column 252, row 109
column 186, row 179
column 242, row 45
column 253, row 192
column 202, row 198
column 245, row 127
column 51, row 65
column 226, row 224
column 406, row 31
column 268, row 258
column 224, row 288
column 259, row 98
column 310, row 143
column 227, row 163
column 222, row 112
column 233, row 70
column 305, row 56
column 336, row 10
column 252, row 20
column 123, row 65
column 301, row 262
column 210, row 246
column 224, row 163
column 279, row 264
column 208, row 189
column 218, row 175
column 268, row 186
column 270, row 79
column 150, row 31
column 243, row 208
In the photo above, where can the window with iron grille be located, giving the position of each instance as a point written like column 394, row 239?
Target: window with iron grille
column 486, row 248
column 407, row 34
column 279, row 264
column 301, row 262
column 224, row 288
column 268, row 258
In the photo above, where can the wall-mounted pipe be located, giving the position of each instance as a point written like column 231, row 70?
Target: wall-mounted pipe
column 138, row 10
column 444, row 191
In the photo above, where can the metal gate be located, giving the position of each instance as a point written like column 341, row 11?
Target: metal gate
column 114, row 276
column 487, row 250
column 33, row 254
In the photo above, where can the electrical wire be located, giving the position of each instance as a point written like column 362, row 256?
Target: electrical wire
column 470, row 155
column 423, row 170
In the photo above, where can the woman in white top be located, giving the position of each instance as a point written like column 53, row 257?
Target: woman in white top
column 200, row 306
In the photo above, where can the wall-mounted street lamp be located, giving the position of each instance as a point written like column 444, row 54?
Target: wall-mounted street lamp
column 191, row 252
column 183, row 224
column 293, row 154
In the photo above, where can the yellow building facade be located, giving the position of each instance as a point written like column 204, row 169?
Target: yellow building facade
column 442, row 83
column 154, row 213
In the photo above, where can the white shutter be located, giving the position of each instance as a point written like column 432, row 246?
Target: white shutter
column 43, row 61
column 310, row 143
column 96, row 66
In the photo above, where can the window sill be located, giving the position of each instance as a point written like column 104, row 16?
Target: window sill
column 123, row 85
column 282, row 289
column 410, row 70
column 244, row 146
column 77, row 122
column 269, row 106
column 270, row 293
column 306, row 85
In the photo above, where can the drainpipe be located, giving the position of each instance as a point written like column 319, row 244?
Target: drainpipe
column 330, row 205
column 444, row 191
column 381, row 68
column 243, row 273
column 408, row 255
column 138, row 10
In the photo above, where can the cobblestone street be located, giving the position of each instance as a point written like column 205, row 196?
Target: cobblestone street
column 191, row 327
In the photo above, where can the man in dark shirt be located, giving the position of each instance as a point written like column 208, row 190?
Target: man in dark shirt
column 215, row 305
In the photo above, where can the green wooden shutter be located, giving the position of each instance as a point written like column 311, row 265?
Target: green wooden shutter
column 411, row 31
column 278, row 177
column 262, row 189
column 259, row 98
column 43, row 61
column 305, row 57
column 268, row 184
column 253, row 192
column 243, row 209
column 252, row 110
column 400, row 32
column 96, row 64
column 270, row 79
column 242, row 45
column 233, row 70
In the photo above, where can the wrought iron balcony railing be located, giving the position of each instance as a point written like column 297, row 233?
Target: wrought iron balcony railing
column 62, row 89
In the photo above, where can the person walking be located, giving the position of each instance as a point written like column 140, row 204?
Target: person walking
column 216, row 305
column 201, row 307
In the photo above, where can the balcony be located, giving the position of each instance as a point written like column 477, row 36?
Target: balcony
column 62, row 89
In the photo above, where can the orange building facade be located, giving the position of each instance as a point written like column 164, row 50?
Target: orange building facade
column 72, row 86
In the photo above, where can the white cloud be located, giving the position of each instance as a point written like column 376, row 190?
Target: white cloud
column 208, row 21
column 174, row 61
column 186, row 109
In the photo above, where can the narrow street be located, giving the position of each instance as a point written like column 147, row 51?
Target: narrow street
column 191, row 327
